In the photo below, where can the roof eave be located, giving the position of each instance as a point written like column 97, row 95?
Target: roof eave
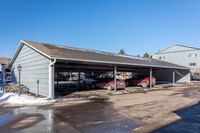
column 119, row 63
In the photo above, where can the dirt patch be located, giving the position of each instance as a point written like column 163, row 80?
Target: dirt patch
column 34, row 95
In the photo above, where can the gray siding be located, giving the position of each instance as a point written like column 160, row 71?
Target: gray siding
column 180, row 55
column 178, row 48
column 34, row 67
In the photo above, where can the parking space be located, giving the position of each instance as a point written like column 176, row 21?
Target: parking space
column 99, row 92
column 88, row 80
column 96, row 79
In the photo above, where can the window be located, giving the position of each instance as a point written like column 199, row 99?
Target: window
column 192, row 64
column 162, row 57
column 192, row 55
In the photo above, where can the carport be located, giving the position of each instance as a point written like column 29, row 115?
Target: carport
column 64, row 58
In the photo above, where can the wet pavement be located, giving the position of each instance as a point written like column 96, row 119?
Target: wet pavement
column 189, row 116
column 97, row 116
column 189, row 122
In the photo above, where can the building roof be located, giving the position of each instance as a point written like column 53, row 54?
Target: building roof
column 61, row 52
column 4, row 60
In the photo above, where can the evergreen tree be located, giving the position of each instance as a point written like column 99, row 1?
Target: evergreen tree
column 122, row 52
column 146, row 55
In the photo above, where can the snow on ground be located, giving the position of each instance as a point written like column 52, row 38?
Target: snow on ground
column 13, row 98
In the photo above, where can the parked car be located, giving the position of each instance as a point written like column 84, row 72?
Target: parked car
column 142, row 80
column 76, row 77
column 108, row 83
column 60, row 77
column 89, row 82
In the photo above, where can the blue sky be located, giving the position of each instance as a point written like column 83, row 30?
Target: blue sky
column 137, row 26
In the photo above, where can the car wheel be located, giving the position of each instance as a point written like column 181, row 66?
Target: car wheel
column 109, row 88
column 144, row 84
column 5, row 89
column 93, row 86
column 127, row 84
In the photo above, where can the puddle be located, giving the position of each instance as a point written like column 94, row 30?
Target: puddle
column 189, row 94
column 176, row 94
column 4, row 118
column 96, row 116
column 185, row 94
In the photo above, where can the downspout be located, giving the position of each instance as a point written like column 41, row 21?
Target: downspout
column 51, row 79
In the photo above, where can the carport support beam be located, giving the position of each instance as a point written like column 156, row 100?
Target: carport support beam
column 115, row 78
column 173, row 76
column 150, row 84
column 70, row 76
column 51, row 78
column 79, row 78
column 57, row 78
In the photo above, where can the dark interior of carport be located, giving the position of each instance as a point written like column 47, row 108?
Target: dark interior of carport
column 63, row 88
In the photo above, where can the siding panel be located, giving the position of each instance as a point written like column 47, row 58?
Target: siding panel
column 181, row 58
column 34, row 67
column 178, row 48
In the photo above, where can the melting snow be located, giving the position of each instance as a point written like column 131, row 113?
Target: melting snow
column 13, row 98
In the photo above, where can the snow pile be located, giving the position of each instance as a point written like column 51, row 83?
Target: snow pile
column 13, row 98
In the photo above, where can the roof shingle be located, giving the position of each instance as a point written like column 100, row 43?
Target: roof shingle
column 66, row 52
column 4, row 60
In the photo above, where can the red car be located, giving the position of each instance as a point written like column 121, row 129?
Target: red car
column 140, row 80
column 108, row 83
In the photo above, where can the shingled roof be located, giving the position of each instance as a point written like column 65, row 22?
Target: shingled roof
column 61, row 52
column 4, row 60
